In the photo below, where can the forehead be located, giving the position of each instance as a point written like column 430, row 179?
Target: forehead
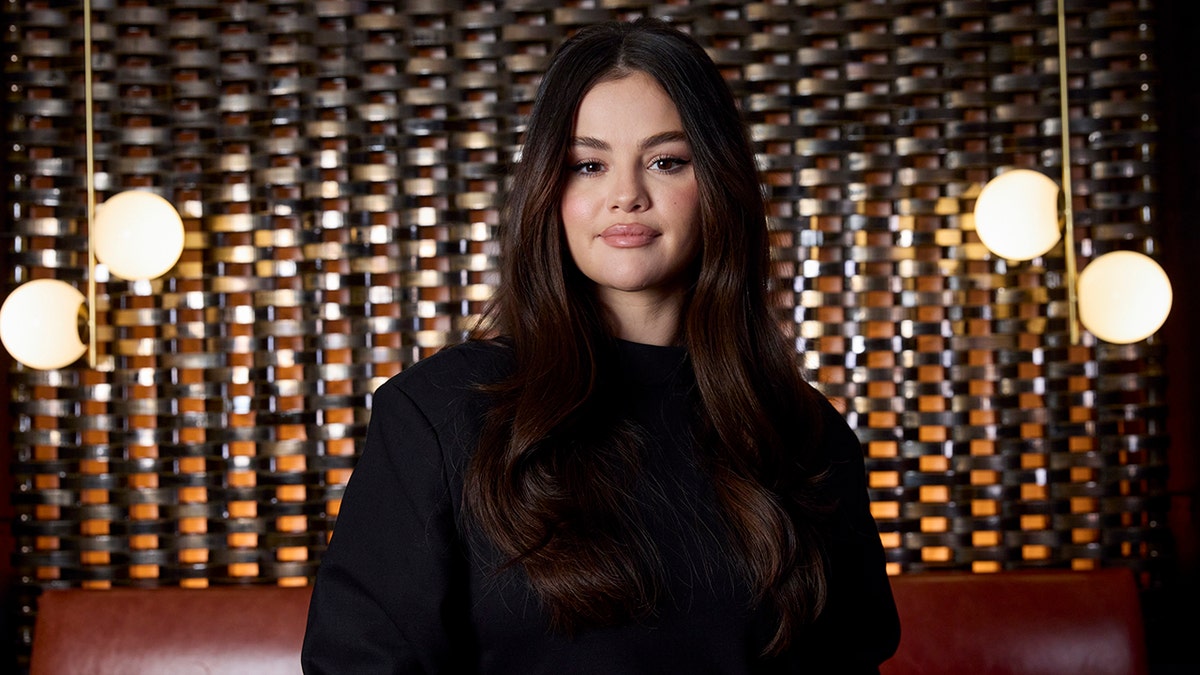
column 631, row 107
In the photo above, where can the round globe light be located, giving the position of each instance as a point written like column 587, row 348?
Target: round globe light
column 1016, row 214
column 138, row 235
column 39, row 324
column 1124, row 297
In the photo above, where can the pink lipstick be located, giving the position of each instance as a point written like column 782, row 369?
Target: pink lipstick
column 629, row 235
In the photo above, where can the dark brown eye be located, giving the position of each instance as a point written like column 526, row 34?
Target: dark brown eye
column 587, row 167
column 669, row 164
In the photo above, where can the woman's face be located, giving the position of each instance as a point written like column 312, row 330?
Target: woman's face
column 631, row 204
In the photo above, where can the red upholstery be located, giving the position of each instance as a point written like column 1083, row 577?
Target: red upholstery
column 228, row 629
column 1021, row 622
column 1027, row 623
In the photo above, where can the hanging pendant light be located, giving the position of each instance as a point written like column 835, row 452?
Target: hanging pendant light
column 40, row 324
column 1122, row 296
column 1016, row 214
column 136, row 234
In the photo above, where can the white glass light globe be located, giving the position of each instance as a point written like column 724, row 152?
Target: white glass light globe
column 39, row 324
column 1124, row 297
column 1016, row 214
column 138, row 235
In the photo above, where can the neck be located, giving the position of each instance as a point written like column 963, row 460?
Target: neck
column 645, row 318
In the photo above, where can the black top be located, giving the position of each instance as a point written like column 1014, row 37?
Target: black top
column 404, row 588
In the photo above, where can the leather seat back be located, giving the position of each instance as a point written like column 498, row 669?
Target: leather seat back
column 1029, row 622
column 136, row 631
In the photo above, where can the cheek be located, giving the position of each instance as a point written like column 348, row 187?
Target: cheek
column 575, row 215
column 689, row 208
column 574, row 211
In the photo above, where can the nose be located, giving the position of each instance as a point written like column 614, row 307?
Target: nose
column 628, row 192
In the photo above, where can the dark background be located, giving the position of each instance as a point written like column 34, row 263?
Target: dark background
column 1173, row 611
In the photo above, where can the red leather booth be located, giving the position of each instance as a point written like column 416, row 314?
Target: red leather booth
column 1009, row 623
column 1026, row 622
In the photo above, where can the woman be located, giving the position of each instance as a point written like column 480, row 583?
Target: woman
column 627, row 472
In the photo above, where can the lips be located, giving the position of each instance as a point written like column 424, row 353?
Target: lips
column 629, row 235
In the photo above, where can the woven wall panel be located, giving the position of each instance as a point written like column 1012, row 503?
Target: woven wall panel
column 339, row 164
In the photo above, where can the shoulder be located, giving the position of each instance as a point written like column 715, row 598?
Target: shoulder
column 474, row 361
column 838, row 440
column 839, row 451
column 442, row 384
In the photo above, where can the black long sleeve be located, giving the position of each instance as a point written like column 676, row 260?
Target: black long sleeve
column 405, row 588
column 390, row 596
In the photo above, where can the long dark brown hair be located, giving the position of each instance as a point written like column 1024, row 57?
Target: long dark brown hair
column 548, row 483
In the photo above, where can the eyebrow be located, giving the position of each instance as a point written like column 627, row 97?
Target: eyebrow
column 649, row 142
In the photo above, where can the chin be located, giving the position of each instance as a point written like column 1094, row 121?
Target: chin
column 626, row 285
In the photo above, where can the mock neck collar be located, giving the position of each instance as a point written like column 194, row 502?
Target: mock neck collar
column 650, row 364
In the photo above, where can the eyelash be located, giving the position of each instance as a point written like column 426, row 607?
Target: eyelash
column 677, row 164
column 581, row 167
